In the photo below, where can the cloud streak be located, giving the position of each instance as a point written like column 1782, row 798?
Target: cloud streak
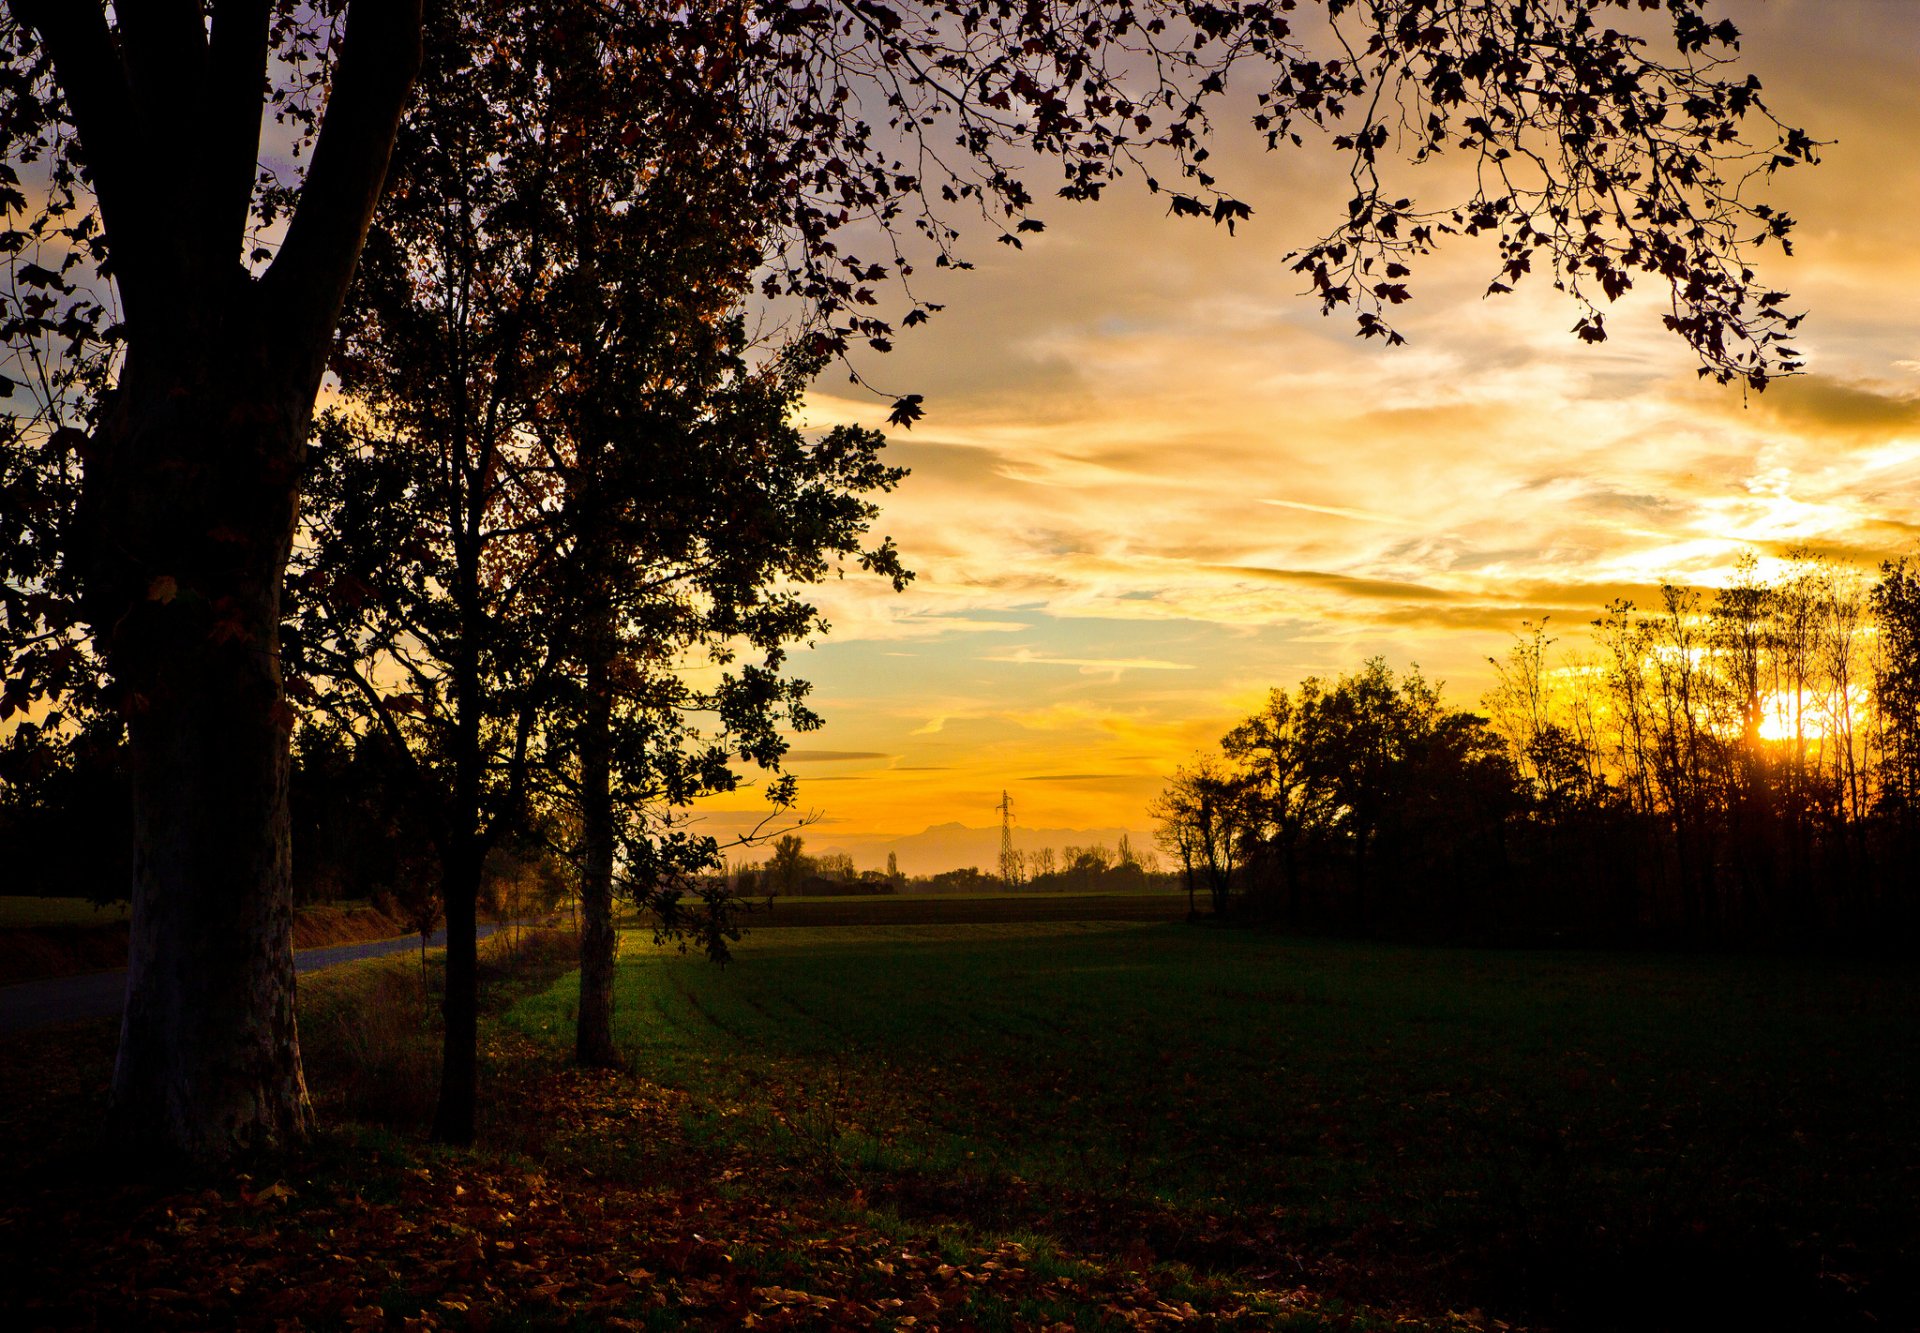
column 1136, row 505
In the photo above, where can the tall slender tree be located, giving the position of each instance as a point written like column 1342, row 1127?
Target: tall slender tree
column 563, row 515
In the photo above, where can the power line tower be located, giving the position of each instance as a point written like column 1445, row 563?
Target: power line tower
column 1009, row 863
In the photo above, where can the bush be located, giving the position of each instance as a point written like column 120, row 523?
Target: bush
column 370, row 1031
column 370, row 1038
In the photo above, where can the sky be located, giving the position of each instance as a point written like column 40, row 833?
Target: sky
column 1153, row 482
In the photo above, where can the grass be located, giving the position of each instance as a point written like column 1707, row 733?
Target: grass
column 1054, row 1125
column 17, row 912
column 918, row 909
column 1551, row 1136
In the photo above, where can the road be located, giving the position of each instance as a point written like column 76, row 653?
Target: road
column 38, row 1004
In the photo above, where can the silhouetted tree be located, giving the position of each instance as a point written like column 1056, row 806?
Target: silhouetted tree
column 788, row 865
column 1204, row 814
column 1896, row 691
column 1716, row 775
column 559, row 483
column 1283, row 809
column 1367, row 788
column 63, row 806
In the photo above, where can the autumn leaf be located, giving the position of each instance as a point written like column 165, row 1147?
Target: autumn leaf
column 906, row 411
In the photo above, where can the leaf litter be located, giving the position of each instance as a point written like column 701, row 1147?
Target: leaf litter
column 617, row 1221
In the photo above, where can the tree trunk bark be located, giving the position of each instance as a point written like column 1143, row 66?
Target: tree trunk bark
column 186, row 517
column 599, row 943
column 186, row 523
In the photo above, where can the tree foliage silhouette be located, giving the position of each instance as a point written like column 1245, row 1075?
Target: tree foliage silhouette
column 561, row 507
column 1734, row 766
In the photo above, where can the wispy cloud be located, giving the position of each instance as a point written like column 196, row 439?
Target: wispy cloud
column 1340, row 511
column 1091, row 666
column 1177, row 490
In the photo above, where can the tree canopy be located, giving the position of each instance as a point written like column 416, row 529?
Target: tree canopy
column 1733, row 766
column 556, row 536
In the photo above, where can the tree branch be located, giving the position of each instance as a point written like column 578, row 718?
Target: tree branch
column 163, row 45
column 231, row 111
column 307, row 283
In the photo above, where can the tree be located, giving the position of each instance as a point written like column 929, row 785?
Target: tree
column 1896, row 607
column 1202, row 814
column 185, row 499
column 789, row 864
column 1371, row 775
column 1353, row 741
column 423, row 580
column 172, row 556
column 560, row 484
column 1175, row 829
column 1283, row 809
column 835, row 865
column 1089, row 864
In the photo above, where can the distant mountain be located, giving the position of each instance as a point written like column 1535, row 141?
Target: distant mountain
column 955, row 846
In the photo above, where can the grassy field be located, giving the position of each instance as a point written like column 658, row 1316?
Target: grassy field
column 957, row 908
column 1061, row 1126
column 17, row 912
column 1581, row 1140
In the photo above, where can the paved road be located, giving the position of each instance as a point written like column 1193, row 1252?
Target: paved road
column 38, row 1004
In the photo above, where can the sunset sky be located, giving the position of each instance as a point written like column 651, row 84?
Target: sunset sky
column 1154, row 482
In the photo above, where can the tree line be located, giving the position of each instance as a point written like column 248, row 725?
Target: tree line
column 790, row 870
column 1735, row 765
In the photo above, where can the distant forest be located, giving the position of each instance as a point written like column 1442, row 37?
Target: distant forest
column 359, row 836
column 1738, row 765
column 790, row 871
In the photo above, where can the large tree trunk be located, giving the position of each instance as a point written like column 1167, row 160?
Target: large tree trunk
column 191, row 482
column 189, row 519
column 599, row 944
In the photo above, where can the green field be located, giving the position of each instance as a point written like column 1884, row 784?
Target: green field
column 16, row 912
column 1584, row 1140
column 911, row 909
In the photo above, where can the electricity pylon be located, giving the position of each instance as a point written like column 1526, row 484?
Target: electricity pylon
column 1009, row 863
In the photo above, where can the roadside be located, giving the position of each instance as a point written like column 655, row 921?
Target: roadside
column 42, row 938
column 43, row 1003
